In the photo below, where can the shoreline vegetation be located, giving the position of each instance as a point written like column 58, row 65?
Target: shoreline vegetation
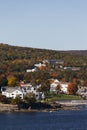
column 50, row 104
column 54, row 106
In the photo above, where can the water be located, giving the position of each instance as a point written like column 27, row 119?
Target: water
column 59, row 120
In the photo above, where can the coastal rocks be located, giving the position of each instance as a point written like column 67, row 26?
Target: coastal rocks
column 8, row 107
column 55, row 105
column 72, row 104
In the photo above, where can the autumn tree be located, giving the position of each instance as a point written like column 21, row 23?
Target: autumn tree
column 45, row 86
column 72, row 88
column 85, row 83
column 58, row 88
column 12, row 81
column 42, row 67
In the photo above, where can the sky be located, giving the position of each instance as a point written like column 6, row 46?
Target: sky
column 45, row 24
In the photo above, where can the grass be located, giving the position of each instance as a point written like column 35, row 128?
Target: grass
column 56, row 97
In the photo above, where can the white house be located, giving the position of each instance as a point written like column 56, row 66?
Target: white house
column 12, row 92
column 64, row 87
column 82, row 91
column 28, row 88
column 45, row 61
column 40, row 95
column 31, row 70
column 54, row 85
column 26, row 85
column 31, row 90
column 39, row 65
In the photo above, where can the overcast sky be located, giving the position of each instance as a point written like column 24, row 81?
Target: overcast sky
column 48, row 24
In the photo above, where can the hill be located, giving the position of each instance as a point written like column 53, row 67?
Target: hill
column 14, row 60
column 12, row 53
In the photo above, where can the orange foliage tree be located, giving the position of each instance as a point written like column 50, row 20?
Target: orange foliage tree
column 72, row 88
column 42, row 67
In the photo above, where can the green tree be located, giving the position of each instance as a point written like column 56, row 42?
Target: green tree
column 3, row 81
column 30, row 98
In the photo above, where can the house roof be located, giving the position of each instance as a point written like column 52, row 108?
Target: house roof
column 12, row 89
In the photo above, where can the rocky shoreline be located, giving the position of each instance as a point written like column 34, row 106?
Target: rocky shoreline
column 73, row 102
column 41, row 108
column 55, row 106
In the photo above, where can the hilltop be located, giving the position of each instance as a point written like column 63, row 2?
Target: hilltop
column 9, row 52
column 15, row 60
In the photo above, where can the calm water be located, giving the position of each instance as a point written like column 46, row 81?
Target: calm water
column 60, row 120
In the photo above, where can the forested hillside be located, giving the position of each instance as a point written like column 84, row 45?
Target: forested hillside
column 14, row 61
